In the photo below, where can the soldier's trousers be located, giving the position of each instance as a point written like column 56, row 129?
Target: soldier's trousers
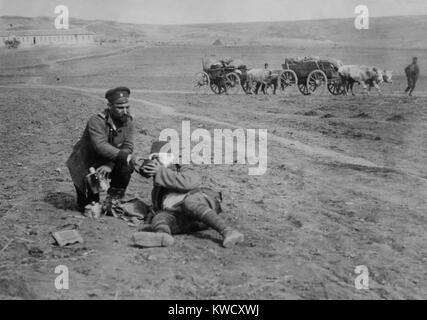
column 120, row 177
column 411, row 85
column 195, row 214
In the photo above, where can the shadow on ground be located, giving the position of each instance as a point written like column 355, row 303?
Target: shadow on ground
column 61, row 200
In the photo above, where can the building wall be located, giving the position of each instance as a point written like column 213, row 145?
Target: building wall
column 31, row 40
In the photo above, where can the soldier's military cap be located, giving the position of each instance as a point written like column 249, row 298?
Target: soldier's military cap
column 119, row 95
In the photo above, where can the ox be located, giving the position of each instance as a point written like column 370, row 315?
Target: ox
column 363, row 75
column 261, row 78
column 273, row 80
column 386, row 78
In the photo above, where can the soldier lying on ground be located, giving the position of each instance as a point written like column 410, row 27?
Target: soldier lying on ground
column 180, row 203
column 106, row 145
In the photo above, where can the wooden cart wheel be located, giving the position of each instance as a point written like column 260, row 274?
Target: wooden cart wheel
column 317, row 79
column 336, row 88
column 303, row 89
column 201, row 82
column 232, row 82
column 215, row 87
column 287, row 79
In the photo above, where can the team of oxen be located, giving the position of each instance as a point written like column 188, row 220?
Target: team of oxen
column 368, row 77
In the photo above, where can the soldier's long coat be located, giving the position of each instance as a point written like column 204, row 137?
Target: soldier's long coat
column 412, row 73
column 99, row 145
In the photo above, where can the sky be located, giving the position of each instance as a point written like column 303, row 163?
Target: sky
column 210, row 11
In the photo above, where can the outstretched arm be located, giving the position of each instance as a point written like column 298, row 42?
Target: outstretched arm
column 181, row 181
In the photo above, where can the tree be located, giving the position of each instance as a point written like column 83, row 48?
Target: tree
column 12, row 44
column 217, row 43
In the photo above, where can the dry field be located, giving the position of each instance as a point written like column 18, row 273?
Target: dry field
column 345, row 184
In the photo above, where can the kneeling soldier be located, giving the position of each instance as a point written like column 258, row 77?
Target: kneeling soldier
column 180, row 203
column 106, row 145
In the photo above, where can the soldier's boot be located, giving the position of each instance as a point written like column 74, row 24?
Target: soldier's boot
column 83, row 200
column 152, row 239
column 230, row 236
column 114, row 196
column 161, row 227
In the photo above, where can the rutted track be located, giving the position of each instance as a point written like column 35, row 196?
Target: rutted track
column 309, row 150
column 47, row 63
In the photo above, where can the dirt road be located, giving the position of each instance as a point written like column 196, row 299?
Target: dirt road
column 170, row 111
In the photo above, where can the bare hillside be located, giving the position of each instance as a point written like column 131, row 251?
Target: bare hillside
column 385, row 32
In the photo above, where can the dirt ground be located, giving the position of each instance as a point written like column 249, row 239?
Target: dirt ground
column 345, row 185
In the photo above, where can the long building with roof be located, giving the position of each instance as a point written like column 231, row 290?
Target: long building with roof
column 28, row 38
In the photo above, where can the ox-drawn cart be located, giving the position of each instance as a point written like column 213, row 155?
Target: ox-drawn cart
column 220, row 76
column 311, row 74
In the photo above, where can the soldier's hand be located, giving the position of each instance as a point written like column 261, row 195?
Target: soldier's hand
column 137, row 163
column 152, row 168
column 133, row 163
column 103, row 171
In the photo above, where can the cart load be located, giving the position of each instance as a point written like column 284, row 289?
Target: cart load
column 210, row 63
column 235, row 63
column 301, row 60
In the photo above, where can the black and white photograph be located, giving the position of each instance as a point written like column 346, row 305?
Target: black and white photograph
column 229, row 151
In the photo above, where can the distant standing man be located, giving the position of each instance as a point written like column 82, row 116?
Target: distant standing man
column 412, row 72
column 107, row 146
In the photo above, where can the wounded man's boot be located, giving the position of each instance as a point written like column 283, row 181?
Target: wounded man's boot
column 231, row 236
